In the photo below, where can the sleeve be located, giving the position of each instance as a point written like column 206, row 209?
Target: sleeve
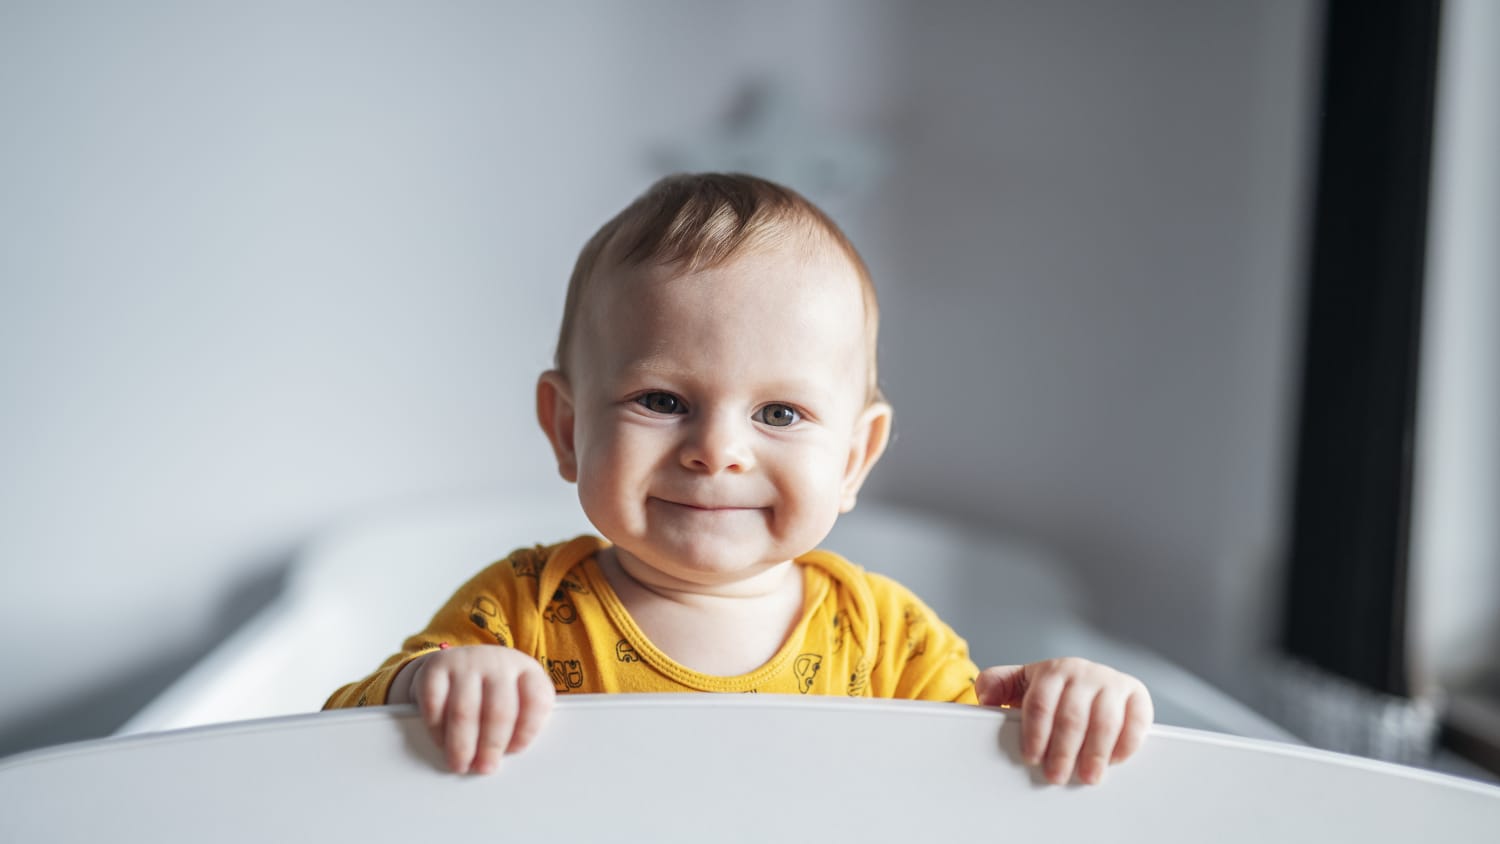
column 488, row 610
column 919, row 657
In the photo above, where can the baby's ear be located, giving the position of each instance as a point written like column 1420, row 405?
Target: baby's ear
column 871, row 433
column 554, row 410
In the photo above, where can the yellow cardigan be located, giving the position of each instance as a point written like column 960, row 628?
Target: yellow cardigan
column 860, row 634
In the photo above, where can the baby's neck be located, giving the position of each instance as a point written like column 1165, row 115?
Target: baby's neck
column 726, row 629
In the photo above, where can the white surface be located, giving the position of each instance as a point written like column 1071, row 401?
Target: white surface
column 354, row 596
column 717, row 768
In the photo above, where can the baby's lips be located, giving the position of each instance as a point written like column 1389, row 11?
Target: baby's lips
column 708, row 505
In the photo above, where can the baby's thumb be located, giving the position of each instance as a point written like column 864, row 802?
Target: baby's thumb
column 1003, row 685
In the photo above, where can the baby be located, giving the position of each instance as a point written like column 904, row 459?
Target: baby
column 715, row 401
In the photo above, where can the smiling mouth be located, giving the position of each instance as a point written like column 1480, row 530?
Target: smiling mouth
column 706, row 508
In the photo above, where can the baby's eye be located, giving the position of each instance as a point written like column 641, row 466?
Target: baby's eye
column 663, row 403
column 778, row 415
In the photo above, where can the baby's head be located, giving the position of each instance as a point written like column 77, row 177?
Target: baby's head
column 692, row 222
column 714, row 394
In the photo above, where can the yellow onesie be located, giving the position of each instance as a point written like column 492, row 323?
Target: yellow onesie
column 860, row 634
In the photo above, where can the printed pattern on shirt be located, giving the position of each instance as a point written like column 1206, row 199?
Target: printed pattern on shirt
column 486, row 616
column 916, row 631
column 527, row 564
column 806, row 668
column 560, row 610
column 859, row 681
column 567, row 674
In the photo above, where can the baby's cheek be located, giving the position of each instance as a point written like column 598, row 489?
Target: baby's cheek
column 811, row 495
column 599, row 488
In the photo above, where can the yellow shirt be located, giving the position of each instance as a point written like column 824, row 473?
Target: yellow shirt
column 860, row 634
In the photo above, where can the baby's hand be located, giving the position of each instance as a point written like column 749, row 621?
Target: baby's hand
column 479, row 702
column 1072, row 712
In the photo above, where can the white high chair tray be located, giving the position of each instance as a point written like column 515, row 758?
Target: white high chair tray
column 715, row 768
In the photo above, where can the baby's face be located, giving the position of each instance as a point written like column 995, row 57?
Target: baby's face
column 720, row 421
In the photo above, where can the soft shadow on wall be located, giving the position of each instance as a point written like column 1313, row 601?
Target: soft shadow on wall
column 103, row 707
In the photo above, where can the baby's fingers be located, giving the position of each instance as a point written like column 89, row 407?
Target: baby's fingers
column 430, row 693
column 1070, row 723
column 461, row 721
column 1037, row 712
column 497, row 719
column 537, row 696
column 1139, row 713
column 1105, row 725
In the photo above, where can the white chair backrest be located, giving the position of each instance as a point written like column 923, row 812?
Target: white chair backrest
column 717, row 768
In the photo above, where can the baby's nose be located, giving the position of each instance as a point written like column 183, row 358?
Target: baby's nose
column 719, row 443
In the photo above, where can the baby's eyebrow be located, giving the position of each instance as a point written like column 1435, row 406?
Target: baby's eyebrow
column 796, row 388
column 647, row 367
column 648, row 363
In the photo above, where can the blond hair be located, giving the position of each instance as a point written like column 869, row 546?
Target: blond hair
column 698, row 221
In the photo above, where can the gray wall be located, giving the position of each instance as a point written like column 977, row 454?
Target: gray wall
column 1095, row 313
column 264, row 267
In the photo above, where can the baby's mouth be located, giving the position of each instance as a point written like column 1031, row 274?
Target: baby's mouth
column 705, row 507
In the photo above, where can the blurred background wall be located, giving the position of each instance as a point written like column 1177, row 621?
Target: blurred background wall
column 265, row 266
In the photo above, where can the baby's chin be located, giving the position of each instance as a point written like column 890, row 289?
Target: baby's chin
column 702, row 562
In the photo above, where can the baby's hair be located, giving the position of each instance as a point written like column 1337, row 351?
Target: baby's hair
column 698, row 221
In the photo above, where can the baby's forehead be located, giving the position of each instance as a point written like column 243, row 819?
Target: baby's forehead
column 810, row 295
column 749, row 321
column 814, row 264
column 766, row 295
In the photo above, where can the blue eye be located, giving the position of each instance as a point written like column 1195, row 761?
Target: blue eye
column 663, row 403
column 778, row 415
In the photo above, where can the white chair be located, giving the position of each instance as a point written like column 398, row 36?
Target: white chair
column 715, row 768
